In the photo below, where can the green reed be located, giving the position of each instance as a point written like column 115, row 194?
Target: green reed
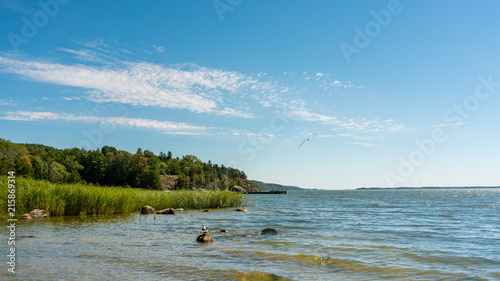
column 82, row 199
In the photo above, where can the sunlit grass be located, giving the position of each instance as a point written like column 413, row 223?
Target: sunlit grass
column 82, row 199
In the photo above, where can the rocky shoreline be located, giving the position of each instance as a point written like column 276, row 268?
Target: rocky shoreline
column 205, row 237
column 169, row 182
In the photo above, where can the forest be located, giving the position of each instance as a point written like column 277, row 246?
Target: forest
column 112, row 167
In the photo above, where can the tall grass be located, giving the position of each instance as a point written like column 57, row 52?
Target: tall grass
column 82, row 199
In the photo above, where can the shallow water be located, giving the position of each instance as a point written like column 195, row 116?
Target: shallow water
column 323, row 235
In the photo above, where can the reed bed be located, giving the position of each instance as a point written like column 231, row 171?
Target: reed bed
column 83, row 199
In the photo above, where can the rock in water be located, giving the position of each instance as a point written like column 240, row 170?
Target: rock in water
column 146, row 210
column 205, row 238
column 241, row 209
column 169, row 211
column 269, row 231
column 38, row 213
column 26, row 236
column 26, row 217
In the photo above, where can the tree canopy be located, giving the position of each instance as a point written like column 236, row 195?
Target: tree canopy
column 113, row 167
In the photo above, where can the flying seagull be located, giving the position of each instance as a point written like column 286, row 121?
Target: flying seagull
column 307, row 139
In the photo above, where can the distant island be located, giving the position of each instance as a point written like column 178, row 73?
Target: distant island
column 427, row 187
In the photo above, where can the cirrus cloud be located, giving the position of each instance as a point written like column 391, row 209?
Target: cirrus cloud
column 197, row 89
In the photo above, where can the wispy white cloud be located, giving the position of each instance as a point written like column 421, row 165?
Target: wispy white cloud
column 366, row 144
column 167, row 127
column 85, row 55
column 363, row 125
column 108, row 74
column 320, row 80
column 306, row 115
column 5, row 103
column 163, row 127
column 198, row 89
column 159, row 49
column 234, row 112
column 449, row 124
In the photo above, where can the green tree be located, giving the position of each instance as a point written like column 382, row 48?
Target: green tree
column 93, row 166
column 151, row 180
column 57, row 171
column 40, row 168
column 24, row 166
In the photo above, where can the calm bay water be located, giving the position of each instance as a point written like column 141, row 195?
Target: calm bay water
column 323, row 235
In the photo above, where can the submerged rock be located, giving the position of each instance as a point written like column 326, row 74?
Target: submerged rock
column 26, row 236
column 168, row 211
column 26, row 217
column 38, row 213
column 204, row 238
column 206, row 211
column 269, row 231
column 241, row 209
column 224, row 230
column 146, row 210
column 179, row 209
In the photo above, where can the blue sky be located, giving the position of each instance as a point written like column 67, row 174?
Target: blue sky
column 399, row 93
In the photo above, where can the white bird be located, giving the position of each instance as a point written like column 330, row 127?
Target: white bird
column 204, row 229
column 307, row 139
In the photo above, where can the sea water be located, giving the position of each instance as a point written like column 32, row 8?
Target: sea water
column 323, row 235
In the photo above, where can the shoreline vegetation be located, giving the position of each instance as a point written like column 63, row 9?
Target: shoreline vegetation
column 108, row 166
column 82, row 199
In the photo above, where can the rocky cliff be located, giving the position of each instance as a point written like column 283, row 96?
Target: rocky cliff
column 244, row 185
column 168, row 182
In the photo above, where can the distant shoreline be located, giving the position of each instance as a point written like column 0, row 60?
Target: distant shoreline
column 427, row 187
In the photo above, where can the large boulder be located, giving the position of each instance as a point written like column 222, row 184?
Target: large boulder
column 38, row 213
column 168, row 211
column 26, row 217
column 204, row 238
column 146, row 210
column 237, row 188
